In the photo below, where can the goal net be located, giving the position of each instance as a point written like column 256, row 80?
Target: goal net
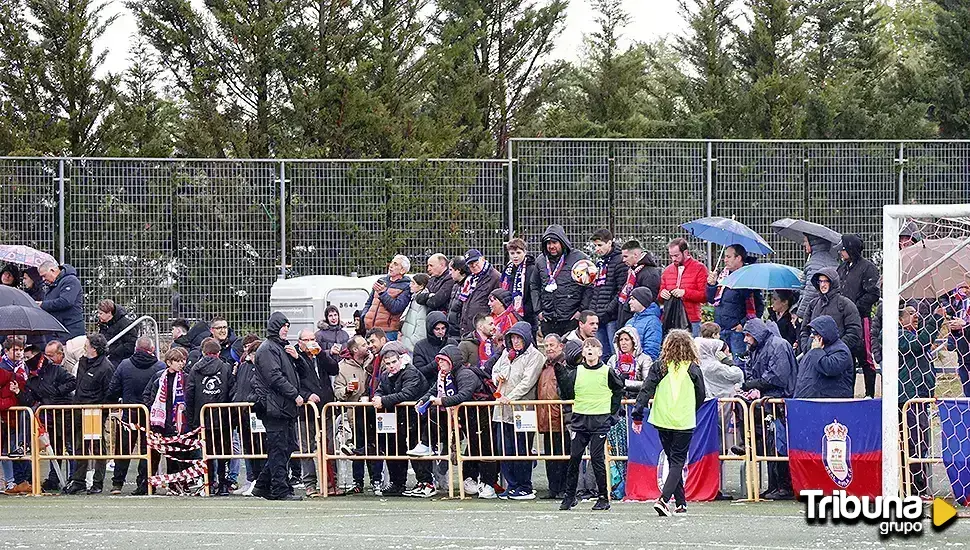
column 921, row 341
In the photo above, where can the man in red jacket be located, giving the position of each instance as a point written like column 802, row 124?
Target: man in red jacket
column 685, row 278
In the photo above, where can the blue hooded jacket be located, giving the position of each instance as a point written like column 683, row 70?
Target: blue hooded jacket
column 65, row 301
column 829, row 371
column 772, row 367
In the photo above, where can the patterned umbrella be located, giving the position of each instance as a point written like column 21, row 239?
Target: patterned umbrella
column 948, row 275
column 23, row 255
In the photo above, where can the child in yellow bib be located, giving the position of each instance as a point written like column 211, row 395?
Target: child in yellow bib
column 596, row 391
column 676, row 385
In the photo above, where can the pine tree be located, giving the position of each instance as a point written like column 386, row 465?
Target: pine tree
column 951, row 41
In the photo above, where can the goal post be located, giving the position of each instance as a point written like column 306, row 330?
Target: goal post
column 947, row 227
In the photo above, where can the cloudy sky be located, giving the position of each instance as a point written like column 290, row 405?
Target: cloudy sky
column 650, row 19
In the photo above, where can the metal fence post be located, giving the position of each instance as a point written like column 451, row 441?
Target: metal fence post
column 709, row 184
column 511, row 187
column 901, row 161
column 60, row 211
column 282, row 182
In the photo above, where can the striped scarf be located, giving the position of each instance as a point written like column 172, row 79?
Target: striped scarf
column 513, row 280
column 158, row 414
column 471, row 282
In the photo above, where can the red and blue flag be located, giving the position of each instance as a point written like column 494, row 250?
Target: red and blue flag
column 835, row 446
column 647, row 465
column 954, row 419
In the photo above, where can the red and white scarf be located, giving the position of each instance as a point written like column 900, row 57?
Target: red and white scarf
column 158, row 417
column 631, row 281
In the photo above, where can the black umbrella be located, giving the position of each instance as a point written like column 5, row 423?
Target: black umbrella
column 28, row 321
column 796, row 230
column 10, row 296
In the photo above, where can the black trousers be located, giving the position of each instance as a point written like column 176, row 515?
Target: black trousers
column 675, row 444
column 597, row 459
column 407, row 436
column 553, row 444
column 476, row 428
column 280, row 444
column 558, row 327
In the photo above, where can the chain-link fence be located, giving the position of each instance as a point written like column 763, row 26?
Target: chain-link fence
column 193, row 238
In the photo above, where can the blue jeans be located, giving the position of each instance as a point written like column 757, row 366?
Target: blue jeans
column 735, row 342
column 695, row 329
column 517, row 473
column 605, row 335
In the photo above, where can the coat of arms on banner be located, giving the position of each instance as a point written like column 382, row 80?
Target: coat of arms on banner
column 836, row 453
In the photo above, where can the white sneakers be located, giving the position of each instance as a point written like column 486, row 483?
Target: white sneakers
column 246, row 489
column 420, row 450
column 486, row 491
column 421, row 490
column 471, row 486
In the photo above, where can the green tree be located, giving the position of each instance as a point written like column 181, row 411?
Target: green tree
column 710, row 83
column 951, row 42
column 773, row 83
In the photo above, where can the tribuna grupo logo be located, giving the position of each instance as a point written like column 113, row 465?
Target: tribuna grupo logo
column 894, row 515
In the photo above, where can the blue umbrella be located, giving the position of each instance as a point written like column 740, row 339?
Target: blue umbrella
column 725, row 232
column 765, row 277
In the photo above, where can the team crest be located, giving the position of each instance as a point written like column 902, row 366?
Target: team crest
column 836, row 453
column 663, row 468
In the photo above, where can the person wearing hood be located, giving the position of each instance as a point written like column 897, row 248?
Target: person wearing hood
column 831, row 302
column 826, row 370
column 49, row 384
column 732, row 307
column 557, row 299
column 402, row 383
column 454, row 384
column 685, row 279
column 10, row 275
column 474, row 291
column 64, row 299
column 436, row 296
column 516, row 278
column 34, row 284
column 676, row 385
column 413, row 329
column 244, row 390
column 112, row 321
column 820, row 256
column 94, row 373
column 277, row 404
column 515, row 376
column 632, row 366
column 860, row 283
column 458, row 271
column 722, row 378
column 425, row 351
column 771, row 372
column 128, row 384
column 596, row 391
column 180, row 335
column 644, row 272
column 604, row 296
column 646, row 320
column 210, row 382
column 389, row 298
column 331, row 336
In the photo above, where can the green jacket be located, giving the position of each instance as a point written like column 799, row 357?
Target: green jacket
column 916, row 376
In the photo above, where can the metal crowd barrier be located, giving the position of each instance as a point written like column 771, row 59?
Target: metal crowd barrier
column 221, row 420
column 16, row 429
column 87, row 432
column 921, row 449
column 378, row 434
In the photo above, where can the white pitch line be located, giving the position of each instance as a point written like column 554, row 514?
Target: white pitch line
column 358, row 536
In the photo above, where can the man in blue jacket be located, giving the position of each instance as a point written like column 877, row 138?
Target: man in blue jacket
column 826, row 370
column 732, row 307
column 65, row 298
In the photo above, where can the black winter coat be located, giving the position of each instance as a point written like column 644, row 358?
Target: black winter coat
column 132, row 376
column 125, row 346
column 827, row 372
column 245, row 388
column 407, row 385
column 315, row 373
column 278, row 381
column 50, row 385
column 454, row 311
column 569, row 297
column 93, row 381
column 604, row 299
column 210, row 381
column 477, row 302
column 649, row 277
column 467, row 383
column 860, row 278
column 437, row 296
column 841, row 309
column 426, row 350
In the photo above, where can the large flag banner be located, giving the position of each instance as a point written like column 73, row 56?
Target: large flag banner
column 835, row 446
column 647, row 464
column 954, row 421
